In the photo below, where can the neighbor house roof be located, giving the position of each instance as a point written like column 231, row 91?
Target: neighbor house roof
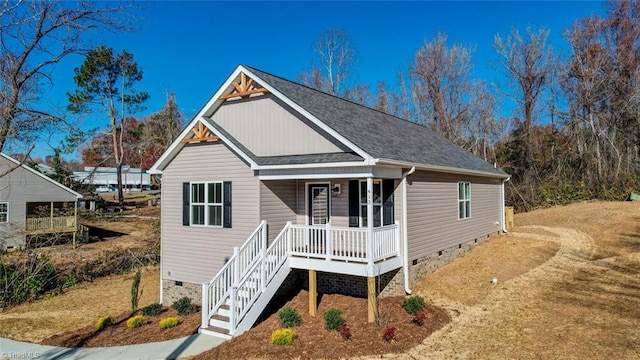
column 373, row 136
column 382, row 136
column 36, row 173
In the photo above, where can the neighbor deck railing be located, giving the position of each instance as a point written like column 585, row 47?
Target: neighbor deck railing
column 56, row 222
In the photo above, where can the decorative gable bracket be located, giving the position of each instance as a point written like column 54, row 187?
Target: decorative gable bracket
column 200, row 134
column 244, row 89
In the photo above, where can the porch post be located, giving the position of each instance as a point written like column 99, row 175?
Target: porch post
column 51, row 218
column 75, row 222
column 370, row 220
column 371, row 299
column 313, row 293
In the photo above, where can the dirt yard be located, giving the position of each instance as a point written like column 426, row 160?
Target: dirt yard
column 568, row 288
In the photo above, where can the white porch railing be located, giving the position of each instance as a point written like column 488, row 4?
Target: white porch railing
column 215, row 292
column 346, row 244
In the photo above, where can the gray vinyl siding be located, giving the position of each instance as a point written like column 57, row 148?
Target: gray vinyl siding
column 268, row 127
column 277, row 204
column 196, row 253
column 20, row 187
column 432, row 211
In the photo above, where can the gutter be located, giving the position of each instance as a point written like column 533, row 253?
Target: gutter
column 405, row 236
column 504, row 225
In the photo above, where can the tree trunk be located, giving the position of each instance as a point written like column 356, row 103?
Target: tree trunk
column 120, row 192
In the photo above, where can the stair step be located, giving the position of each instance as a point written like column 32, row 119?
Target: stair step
column 215, row 331
column 220, row 317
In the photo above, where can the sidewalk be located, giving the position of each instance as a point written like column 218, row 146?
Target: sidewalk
column 171, row 349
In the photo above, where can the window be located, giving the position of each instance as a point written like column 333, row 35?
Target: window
column 206, row 204
column 464, row 200
column 4, row 212
column 377, row 203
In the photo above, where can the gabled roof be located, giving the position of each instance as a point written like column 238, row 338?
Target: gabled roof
column 383, row 136
column 373, row 136
column 36, row 173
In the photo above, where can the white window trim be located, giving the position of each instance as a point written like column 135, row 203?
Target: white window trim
column 361, row 204
column 7, row 212
column 464, row 200
column 206, row 204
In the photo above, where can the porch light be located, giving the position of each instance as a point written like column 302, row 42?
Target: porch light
column 335, row 191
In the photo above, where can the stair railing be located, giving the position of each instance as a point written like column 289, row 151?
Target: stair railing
column 215, row 292
column 244, row 294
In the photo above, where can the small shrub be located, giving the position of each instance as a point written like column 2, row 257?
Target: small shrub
column 414, row 304
column 289, row 317
column 136, row 321
column 283, row 336
column 419, row 318
column 184, row 306
column 389, row 334
column 345, row 332
column 169, row 322
column 103, row 322
column 152, row 310
column 333, row 319
column 136, row 293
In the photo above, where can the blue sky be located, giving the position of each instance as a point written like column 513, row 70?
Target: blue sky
column 191, row 47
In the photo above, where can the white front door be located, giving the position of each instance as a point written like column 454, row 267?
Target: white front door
column 318, row 204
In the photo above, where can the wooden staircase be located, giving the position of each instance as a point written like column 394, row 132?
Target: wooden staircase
column 237, row 295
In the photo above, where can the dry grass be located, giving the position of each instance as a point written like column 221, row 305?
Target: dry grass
column 579, row 302
column 78, row 307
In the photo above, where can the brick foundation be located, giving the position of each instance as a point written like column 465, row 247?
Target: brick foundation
column 172, row 292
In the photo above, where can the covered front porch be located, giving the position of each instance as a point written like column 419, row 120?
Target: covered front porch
column 328, row 228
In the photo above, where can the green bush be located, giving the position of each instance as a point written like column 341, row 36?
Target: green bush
column 152, row 310
column 136, row 321
column 333, row 319
column 283, row 336
column 184, row 306
column 169, row 322
column 103, row 322
column 414, row 304
column 289, row 317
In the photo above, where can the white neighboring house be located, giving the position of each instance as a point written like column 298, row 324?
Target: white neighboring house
column 105, row 178
column 32, row 203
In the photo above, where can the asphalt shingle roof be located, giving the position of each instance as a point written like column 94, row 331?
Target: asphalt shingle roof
column 380, row 135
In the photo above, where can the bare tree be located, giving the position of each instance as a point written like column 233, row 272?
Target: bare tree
column 529, row 63
column 443, row 92
column 35, row 36
column 333, row 66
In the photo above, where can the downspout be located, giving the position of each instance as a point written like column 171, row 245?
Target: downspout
column 405, row 227
column 504, row 225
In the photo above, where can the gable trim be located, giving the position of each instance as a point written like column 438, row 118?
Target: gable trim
column 215, row 102
column 27, row 168
column 369, row 160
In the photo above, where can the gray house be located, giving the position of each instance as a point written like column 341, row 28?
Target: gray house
column 273, row 182
column 33, row 204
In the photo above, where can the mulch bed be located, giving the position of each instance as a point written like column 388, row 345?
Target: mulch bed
column 119, row 334
column 314, row 341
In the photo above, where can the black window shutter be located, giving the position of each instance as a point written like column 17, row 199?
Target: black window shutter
column 387, row 206
column 226, row 204
column 186, row 197
column 354, row 203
